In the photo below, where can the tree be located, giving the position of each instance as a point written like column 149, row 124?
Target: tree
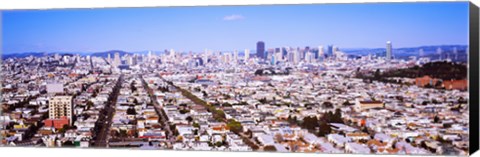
column 263, row 100
column 337, row 117
column 425, row 102
column 436, row 119
column 196, row 125
column 219, row 144
column 310, row 122
column 278, row 137
column 183, row 111
column 270, row 148
column 346, row 103
column 135, row 101
column 89, row 105
column 327, row 104
column 259, row 72
column 189, row 119
column 131, row 111
column 114, row 133
column 328, row 117
column 179, row 138
column 324, row 129
column 365, row 129
column 219, row 115
column 94, row 94
column 235, row 126
column 64, row 128
column 377, row 74
column 132, row 87
column 292, row 119
column 123, row 133
column 255, row 147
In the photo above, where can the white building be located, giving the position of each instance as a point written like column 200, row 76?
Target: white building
column 247, row 54
column 60, row 106
column 389, row 51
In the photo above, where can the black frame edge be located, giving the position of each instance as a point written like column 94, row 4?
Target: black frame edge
column 473, row 79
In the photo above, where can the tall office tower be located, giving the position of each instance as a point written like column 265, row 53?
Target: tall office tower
column 290, row 56
column 172, row 53
column 284, row 52
column 227, row 57
column 306, row 50
column 321, row 53
column 247, row 54
column 296, row 56
column 235, row 56
column 273, row 60
column 198, row 61
column 389, row 51
column 278, row 56
column 269, row 54
column 135, row 59
column 130, row 60
column 455, row 52
column 57, row 56
column 278, row 50
column 309, row 57
column 420, row 53
column 206, row 54
column 330, row 50
column 116, row 60
column 109, row 58
column 149, row 56
column 439, row 52
column 261, row 49
column 59, row 107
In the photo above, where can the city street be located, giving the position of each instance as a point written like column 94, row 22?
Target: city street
column 105, row 120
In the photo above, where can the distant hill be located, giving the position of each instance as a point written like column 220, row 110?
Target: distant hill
column 442, row 70
column 400, row 53
column 22, row 55
column 405, row 53
column 112, row 53
column 42, row 54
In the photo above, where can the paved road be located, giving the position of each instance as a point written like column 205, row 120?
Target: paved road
column 106, row 119
column 260, row 147
column 159, row 109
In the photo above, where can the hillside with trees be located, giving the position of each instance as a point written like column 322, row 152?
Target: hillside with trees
column 440, row 70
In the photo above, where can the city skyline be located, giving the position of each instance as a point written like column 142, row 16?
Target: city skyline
column 235, row 27
column 330, row 78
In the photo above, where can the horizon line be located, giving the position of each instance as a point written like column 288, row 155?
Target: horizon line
column 240, row 50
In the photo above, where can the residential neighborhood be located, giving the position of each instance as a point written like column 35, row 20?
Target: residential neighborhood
column 220, row 102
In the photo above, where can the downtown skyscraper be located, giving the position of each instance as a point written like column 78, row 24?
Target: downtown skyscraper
column 261, row 49
column 247, row 54
column 330, row 50
column 389, row 51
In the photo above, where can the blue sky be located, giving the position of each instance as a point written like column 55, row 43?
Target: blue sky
column 235, row 27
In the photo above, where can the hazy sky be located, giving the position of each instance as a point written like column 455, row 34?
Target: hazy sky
column 235, row 27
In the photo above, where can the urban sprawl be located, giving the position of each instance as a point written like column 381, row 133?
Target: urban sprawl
column 279, row 99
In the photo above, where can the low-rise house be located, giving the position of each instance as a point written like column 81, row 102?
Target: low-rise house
column 356, row 148
column 338, row 140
